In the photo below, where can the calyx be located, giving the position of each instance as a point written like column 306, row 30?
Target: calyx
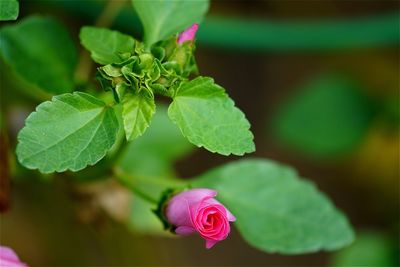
column 158, row 71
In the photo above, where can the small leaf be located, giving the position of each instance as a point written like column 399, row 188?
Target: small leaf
column 67, row 133
column 42, row 52
column 138, row 109
column 106, row 46
column 9, row 9
column 162, row 18
column 207, row 117
column 328, row 117
column 275, row 210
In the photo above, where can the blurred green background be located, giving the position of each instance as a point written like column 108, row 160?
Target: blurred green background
column 319, row 82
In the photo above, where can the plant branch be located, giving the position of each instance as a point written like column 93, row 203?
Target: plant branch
column 119, row 152
column 124, row 180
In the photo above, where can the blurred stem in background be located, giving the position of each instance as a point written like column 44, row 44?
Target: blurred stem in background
column 265, row 35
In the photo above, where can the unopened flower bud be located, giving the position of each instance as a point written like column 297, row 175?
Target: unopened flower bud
column 188, row 34
column 196, row 210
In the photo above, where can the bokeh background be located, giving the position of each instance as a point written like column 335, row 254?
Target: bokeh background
column 319, row 82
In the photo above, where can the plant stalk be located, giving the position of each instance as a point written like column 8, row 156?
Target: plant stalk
column 124, row 180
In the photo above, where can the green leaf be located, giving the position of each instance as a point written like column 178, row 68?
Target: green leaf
column 42, row 52
column 149, row 160
column 67, row 133
column 275, row 210
column 207, row 117
column 138, row 109
column 9, row 9
column 326, row 117
column 106, row 46
column 162, row 18
column 369, row 249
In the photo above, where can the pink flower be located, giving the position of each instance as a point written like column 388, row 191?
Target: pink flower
column 196, row 210
column 8, row 258
column 188, row 34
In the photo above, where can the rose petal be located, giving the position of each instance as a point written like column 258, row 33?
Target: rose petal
column 230, row 216
column 178, row 212
column 194, row 196
column 210, row 243
column 8, row 258
column 6, row 263
column 8, row 253
column 185, row 230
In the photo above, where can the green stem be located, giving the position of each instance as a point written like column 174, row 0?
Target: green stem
column 124, row 180
column 120, row 151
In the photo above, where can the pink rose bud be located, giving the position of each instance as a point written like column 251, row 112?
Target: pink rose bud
column 8, row 258
column 188, row 34
column 196, row 210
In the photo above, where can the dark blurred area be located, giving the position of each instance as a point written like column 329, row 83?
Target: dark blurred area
column 331, row 112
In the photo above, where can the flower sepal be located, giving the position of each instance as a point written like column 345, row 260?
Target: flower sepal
column 165, row 197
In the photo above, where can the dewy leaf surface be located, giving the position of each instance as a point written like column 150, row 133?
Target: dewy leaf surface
column 138, row 109
column 106, row 46
column 162, row 18
column 67, row 133
column 42, row 52
column 9, row 9
column 208, row 117
column 277, row 211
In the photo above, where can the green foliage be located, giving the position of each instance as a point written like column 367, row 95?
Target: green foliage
column 9, row 9
column 138, row 109
column 163, row 18
column 67, row 133
column 275, row 210
column 202, row 109
column 207, row 117
column 106, row 46
column 41, row 51
column 326, row 117
column 149, row 160
column 369, row 249
column 134, row 75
